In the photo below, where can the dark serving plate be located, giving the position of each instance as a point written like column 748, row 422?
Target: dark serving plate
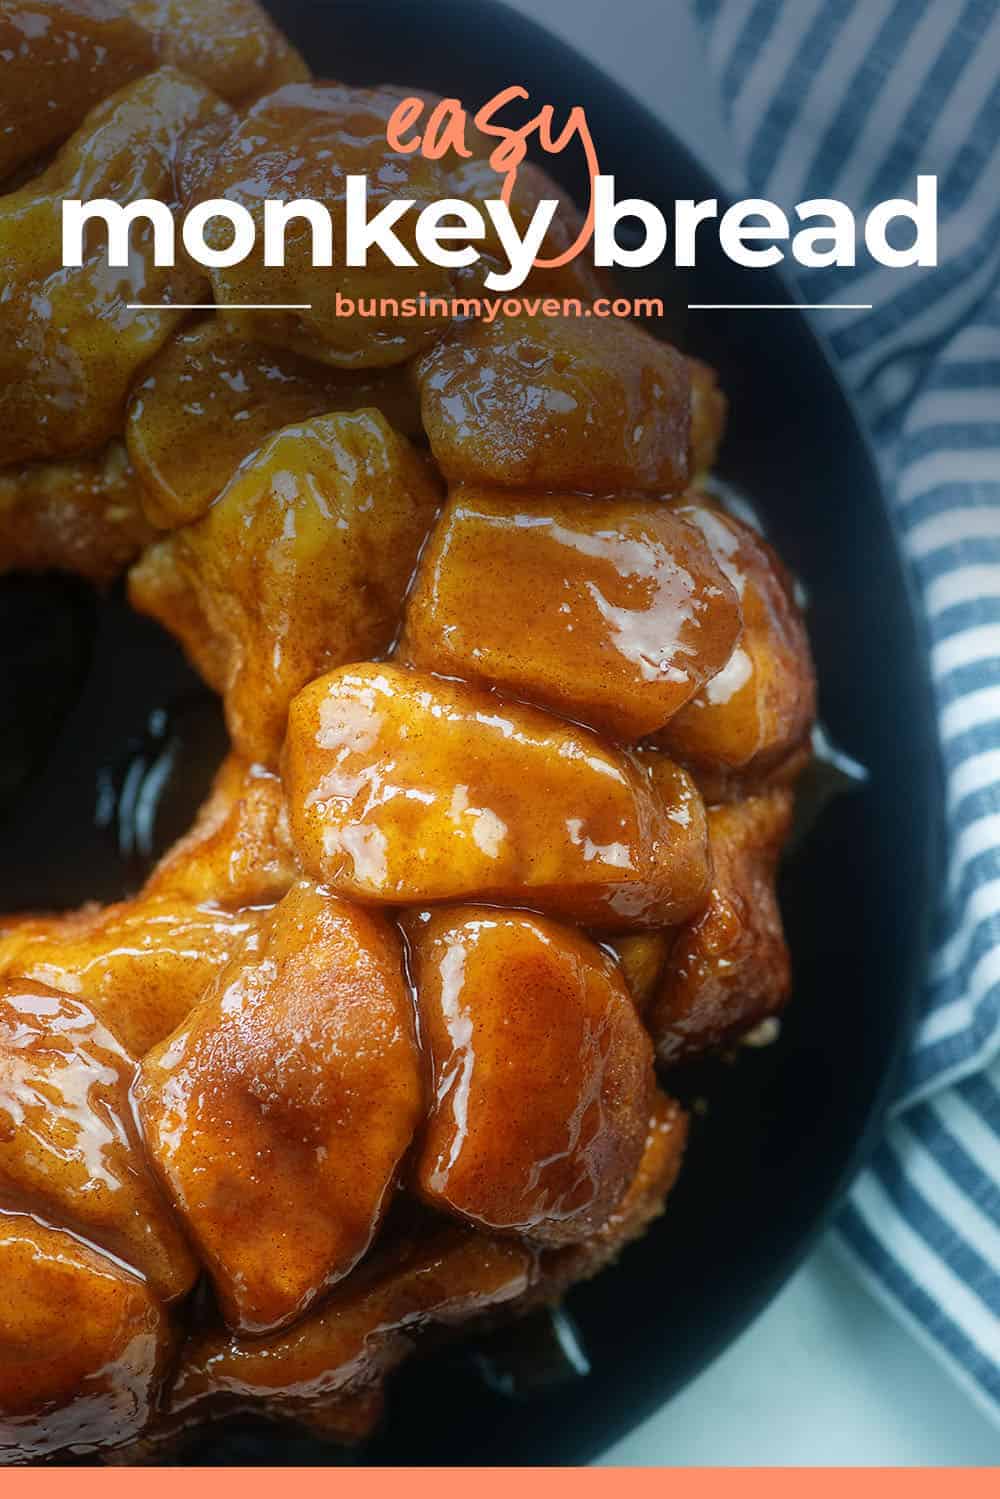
column 785, row 1129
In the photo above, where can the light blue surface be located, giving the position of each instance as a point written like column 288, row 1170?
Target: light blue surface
column 826, row 1375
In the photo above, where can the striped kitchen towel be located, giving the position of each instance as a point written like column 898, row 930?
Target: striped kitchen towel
column 851, row 99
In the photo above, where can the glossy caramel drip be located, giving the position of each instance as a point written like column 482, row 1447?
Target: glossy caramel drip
column 511, row 588
column 84, row 1346
column 140, row 965
column 69, row 1148
column 541, row 1082
column 279, row 1110
column 404, row 788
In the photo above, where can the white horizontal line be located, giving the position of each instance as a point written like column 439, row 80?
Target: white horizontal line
column 219, row 306
column 779, row 306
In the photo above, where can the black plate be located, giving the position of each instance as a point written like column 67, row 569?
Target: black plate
column 788, row 1127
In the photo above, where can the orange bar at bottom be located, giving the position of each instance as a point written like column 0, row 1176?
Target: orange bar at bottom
column 500, row 1483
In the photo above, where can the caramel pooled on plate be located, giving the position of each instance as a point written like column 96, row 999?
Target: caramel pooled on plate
column 328, row 1370
column 432, row 1279
column 407, row 789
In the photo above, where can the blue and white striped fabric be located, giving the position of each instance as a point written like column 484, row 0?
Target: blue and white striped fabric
column 851, row 99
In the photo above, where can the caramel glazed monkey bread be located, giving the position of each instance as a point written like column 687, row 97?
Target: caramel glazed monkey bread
column 516, row 710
